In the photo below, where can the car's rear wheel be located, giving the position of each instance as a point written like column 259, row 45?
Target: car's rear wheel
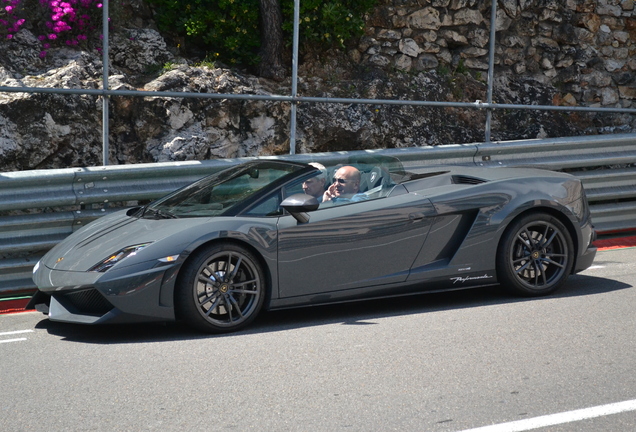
column 220, row 289
column 535, row 256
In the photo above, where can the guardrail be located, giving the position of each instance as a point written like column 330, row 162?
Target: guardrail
column 40, row 208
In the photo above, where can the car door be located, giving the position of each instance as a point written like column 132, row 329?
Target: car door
column 355, row 245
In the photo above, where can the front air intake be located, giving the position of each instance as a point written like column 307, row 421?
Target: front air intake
column 88, row 302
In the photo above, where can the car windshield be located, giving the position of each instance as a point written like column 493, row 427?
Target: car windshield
column 219, row 193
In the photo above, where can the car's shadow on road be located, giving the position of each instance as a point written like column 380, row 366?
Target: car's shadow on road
column 354, row 313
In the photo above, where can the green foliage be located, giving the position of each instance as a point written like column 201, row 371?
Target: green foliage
column 461, row 67
column 230, row 29
column 326, row 23
column 443, row 70
column 207, row 62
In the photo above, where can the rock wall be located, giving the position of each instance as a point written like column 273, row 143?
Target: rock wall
column 586, row 49
column 548, row 52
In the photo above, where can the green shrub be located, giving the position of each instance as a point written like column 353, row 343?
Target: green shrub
column 326, row 23
column 229, row 30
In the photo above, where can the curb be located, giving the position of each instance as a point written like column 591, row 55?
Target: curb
column 13, row 304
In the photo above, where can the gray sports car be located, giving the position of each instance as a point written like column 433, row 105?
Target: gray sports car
column 271, row 234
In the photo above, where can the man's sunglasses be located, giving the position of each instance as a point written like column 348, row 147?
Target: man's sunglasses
column 340, row 180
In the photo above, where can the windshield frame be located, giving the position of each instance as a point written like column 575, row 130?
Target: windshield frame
column 161, row 206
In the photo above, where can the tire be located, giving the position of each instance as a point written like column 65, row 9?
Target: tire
column 535, row 255
column 220, row 289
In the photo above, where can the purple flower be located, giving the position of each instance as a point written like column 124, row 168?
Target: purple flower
column 42, row 54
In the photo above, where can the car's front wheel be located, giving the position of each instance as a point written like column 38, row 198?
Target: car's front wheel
column 220, row 289
column 535, row 256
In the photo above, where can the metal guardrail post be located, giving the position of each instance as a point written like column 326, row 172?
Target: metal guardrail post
column 105, row 97
column 491, row 66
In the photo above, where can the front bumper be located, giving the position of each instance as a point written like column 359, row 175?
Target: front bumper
column 134, row 295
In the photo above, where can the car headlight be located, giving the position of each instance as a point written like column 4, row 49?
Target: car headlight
column 117, row 257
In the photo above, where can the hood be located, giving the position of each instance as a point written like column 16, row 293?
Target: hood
column 94, row 243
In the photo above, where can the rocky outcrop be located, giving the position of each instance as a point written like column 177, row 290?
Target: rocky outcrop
column 426, row 50
column 584, row 48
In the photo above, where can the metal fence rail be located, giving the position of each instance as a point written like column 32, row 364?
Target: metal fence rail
column 43, row 207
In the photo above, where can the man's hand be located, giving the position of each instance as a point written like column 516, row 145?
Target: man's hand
column 329, row 193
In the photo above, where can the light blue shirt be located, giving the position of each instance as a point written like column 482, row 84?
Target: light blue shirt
column 356, row 198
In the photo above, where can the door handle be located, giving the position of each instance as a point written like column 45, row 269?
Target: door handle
column 416, row 216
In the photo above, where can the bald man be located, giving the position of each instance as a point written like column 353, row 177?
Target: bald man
column 345, row 187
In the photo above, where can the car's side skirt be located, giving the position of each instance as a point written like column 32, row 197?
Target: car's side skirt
column 385, row 291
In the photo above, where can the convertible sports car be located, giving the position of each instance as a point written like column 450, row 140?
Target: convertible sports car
column 217, row 252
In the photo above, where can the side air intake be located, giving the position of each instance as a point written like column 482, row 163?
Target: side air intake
column 461, row 179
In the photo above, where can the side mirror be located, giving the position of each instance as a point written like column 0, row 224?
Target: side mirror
column 298, row 205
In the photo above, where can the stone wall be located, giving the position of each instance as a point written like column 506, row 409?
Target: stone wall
column 548, row 52
column 586, row 49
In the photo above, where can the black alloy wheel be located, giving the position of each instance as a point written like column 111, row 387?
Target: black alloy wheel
column 221, row 289
column 535, row 256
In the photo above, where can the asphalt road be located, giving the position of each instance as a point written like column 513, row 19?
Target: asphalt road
column 440, row 363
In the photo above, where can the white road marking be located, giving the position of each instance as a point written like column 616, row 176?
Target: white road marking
column 15, row 332
column 13, row 340
column 560, row 418
column 595, row 267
